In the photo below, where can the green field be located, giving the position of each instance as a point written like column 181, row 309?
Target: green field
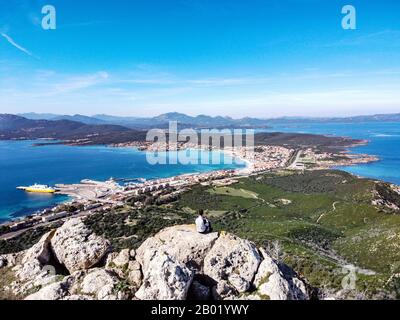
column 317, row 222
column 233, row 192
column 327, row 223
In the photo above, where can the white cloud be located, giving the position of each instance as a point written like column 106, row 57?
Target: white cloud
column 16, row 45
column 75, row 83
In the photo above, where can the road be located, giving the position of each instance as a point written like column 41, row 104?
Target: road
column 296, row 159
column 13, row 234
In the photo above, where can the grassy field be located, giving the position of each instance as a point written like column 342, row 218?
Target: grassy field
column 325, row 222
column 233, row 192
column 317, row 222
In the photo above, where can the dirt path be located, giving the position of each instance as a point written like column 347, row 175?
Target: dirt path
column 333, row 210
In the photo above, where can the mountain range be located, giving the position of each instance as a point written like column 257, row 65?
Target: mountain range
column 13, row 127
column 200, row 121
column 161, row 121
column 17, row 127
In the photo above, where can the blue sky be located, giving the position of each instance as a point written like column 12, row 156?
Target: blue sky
column 239, row 58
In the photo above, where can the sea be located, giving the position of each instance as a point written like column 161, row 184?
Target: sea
column 383, row 141
column 23, row 164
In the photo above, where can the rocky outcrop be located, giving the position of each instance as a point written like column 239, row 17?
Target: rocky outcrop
column 234, row 260
column 182, row 243
column 94, row 284
column 77, row 247
column 165, row 279
column 72, row 263
column 10, row 260
column 272, row 283
column 35, row 259
column 100, row 284
column 54, row 291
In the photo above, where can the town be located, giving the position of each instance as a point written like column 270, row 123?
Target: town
column 89, row 197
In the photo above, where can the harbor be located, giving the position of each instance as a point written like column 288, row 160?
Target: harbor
column 91, row 196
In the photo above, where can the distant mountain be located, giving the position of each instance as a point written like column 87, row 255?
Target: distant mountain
column 209, row 121
column 80, row 118
column 161, row 121
column 38, row 116
column 51, row 116
column 200, row 121
column 393, row 117
column 16, row 127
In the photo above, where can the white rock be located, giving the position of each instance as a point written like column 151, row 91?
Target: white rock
column 182, row 243
column 77, row 297
column 230, row 256
column 135, row 278
column 11, row 260
column 3, row 262
column 273, row 284
column 239, row 283
column 110, row 259
column 165, row 279
column 122, row 259
column 35, row 260
column 77, row 247
column 55, row 291
column 99, row 283
column 134, row 265
column 223, row 291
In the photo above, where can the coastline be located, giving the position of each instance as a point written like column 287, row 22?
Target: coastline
column 74, row 197
column 267, row 158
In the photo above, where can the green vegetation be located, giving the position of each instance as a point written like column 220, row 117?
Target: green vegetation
column 317, row 222
column 328, row 222
column 234, row 192
column 25, row 240
column 4, row 229
column 129, row 228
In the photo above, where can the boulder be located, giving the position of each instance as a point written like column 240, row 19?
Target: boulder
column 182, row 243
column 77, row 247
column 134, row 274
column 165, row 279
column 10, row 260
column 163, row 268
column 122, row 259
column 238, row 282
column 124, row 267
column 100, row 284
column 36, row 259
column 232, row 259
column 273, row 284
column 223, row 291
column 3, row 262
column 77, row 297
column 110, row 260
column 54, row 291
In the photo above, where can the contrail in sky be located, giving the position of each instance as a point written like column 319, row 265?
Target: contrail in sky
column 16, row 45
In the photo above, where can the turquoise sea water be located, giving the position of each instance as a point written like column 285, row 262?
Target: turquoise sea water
column 22, row 164
column 384, row 142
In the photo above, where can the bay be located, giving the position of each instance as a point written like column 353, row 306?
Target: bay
column 383, row 141
column 23, row 164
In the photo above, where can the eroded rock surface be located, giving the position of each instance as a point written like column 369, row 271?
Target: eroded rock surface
column 175, row 264
column 77, row 247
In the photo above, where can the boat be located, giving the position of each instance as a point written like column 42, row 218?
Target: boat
column 38, row 188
